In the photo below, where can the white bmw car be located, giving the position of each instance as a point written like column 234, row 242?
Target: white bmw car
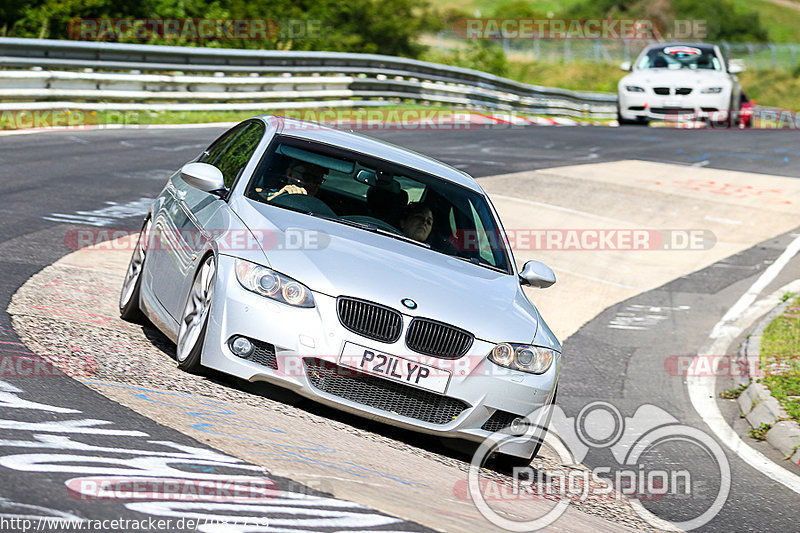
column 354, row 272
column 679, row 82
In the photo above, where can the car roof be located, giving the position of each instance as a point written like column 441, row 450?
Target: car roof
column 702, row 46
column 362, row 144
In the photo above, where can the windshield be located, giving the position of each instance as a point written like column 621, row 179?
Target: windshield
column 380, row 197
column 678, row 57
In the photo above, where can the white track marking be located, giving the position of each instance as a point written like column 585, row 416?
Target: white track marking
column 598, row 280
column 564, row 209
column 723, row 220
column 702, row 388
column 642, row 317
column 104, row 216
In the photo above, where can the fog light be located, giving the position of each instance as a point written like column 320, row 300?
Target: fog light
column 518, row 425
column 241, row 346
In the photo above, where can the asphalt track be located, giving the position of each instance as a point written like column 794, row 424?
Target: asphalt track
column 96, row 177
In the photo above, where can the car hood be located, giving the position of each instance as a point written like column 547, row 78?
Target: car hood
column 348, row 261
column 677, row 78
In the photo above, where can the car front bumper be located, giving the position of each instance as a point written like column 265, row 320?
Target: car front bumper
column 651, row 106
column 300, row 349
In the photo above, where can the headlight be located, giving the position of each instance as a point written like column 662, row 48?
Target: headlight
column 533, row 359
column 266, row 282
column 634, row 89
column 712, row 90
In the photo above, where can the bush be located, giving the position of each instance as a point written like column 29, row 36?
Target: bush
column 724, row 21
column 486, row 56
column 389, row 27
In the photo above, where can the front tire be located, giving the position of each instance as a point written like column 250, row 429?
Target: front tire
column 131, row 286
column 194, row 318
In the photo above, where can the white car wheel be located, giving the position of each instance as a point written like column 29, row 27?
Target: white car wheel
column 194, row 317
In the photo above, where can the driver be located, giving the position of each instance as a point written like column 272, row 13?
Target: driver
column 301, row 178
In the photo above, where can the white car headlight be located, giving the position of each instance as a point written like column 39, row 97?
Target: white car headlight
column 712, row 90
column 533, row 359
column 634, row 89
column 266, row 282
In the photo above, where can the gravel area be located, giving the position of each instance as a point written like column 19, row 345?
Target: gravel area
column 67, row 314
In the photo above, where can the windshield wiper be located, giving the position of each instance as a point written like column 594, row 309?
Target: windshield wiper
column 372, row 228
column 480, row 262
column 375, row 229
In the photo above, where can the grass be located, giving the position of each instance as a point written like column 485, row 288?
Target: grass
column 782, row 22
column 780, row 359
column 486, row 7
column 732, row 394
column 577, row 75
column 10, row 120
column 760, row 433
column 363, row 118
column 772, row 88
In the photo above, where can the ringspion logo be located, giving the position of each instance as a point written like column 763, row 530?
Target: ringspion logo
column 641, row 466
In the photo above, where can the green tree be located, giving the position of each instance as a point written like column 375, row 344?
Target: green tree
column 377, row 26
column 724, row 22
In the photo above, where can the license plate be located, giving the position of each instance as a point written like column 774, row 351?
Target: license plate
column 395, row 368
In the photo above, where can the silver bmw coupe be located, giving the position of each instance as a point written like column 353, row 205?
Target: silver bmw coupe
column 357, row 273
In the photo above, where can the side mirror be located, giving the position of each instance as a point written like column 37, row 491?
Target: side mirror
column 203, row 176
column 626, row 66
column 736, row 68
column 537, row 274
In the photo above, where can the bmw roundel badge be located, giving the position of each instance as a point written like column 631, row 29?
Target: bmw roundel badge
column 408, row 302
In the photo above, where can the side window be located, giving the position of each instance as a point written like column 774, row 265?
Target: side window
column 212, row 153
column 233, row 158
column 484, row 245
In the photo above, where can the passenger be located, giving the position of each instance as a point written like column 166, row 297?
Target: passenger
column 301, row 178
column 417, row 222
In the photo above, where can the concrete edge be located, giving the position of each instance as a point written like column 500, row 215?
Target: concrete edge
column 756, row 402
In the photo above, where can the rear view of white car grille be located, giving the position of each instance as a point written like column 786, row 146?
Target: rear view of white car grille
column 369, row 319
column 390, row 396
column 440, row 340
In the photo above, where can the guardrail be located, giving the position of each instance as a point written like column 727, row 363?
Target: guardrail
column 40, row 73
